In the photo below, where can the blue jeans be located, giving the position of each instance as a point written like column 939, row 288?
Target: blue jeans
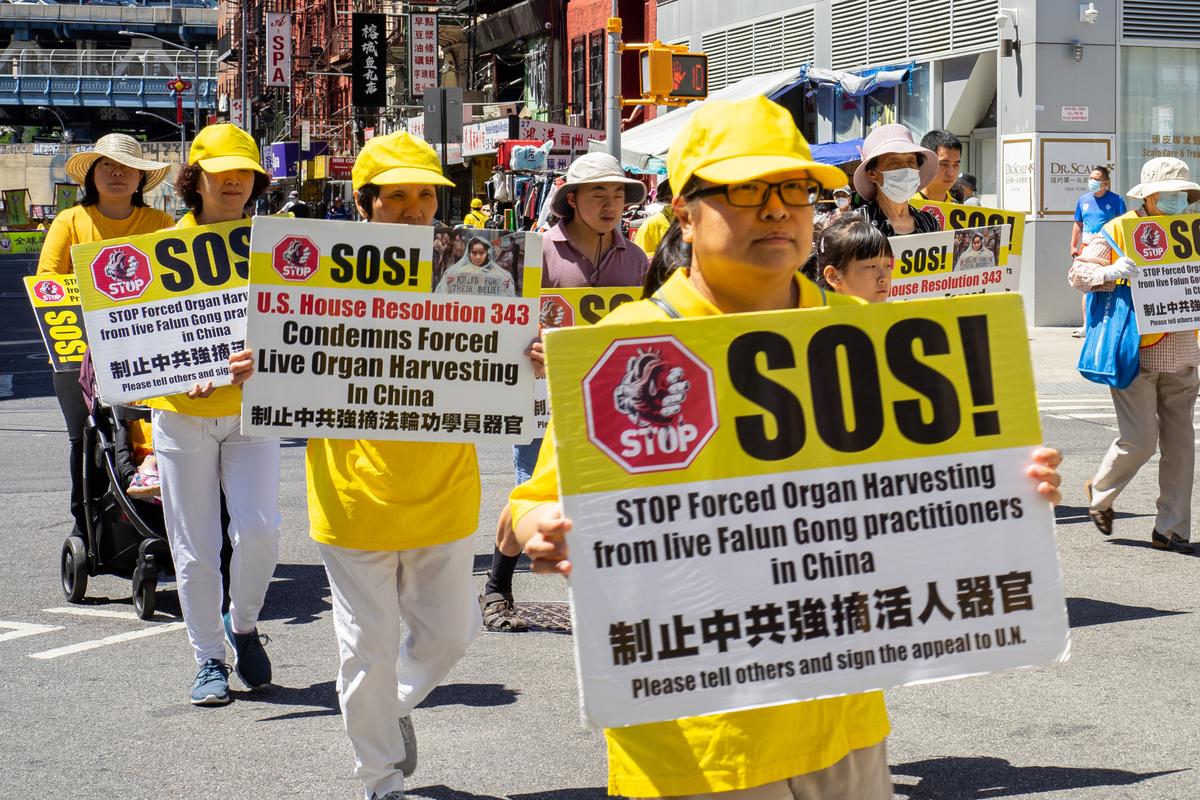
column 525, row 459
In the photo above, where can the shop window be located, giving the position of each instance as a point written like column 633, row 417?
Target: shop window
column 595, row 113
column 915, row 108
column 879, row 108
column 1159, row 114
column 579, row 76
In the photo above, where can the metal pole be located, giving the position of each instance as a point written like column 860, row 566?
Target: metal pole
column 245, row 100
column 196, row 93
column 612, row 125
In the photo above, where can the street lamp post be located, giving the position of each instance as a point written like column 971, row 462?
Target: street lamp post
column 195, row 51
column 66, row 134
column 183, row 156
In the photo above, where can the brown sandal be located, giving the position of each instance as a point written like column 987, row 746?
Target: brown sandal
column 500, row 614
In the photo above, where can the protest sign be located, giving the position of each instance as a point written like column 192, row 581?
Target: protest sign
column 55, row 302
column 951, row 216
column 783, row 506
column 950, row 263
column 565, row 308
column 165, row 310
column 352, row 342
column 1166, row 289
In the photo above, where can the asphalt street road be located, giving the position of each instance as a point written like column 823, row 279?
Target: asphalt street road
column 95, row 701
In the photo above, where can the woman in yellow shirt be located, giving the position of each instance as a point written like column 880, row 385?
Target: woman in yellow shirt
column 202, row 452
column 115, row 178
column 747, row 184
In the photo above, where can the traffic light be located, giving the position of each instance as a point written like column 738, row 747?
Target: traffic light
column 670, row 75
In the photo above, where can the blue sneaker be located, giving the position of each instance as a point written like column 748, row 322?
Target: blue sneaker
column 249, row 658
column 212, row 684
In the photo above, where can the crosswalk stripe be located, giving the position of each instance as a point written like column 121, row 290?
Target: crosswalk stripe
column 103, row 612
column 19, row 630
column 81, row 647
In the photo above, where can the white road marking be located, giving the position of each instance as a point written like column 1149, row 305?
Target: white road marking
column 6, row 389
column 81, row 647
column 107, row 613
column 19, row 630
column 14, row 342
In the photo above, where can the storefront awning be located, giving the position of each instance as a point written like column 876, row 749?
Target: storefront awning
column 836, row 153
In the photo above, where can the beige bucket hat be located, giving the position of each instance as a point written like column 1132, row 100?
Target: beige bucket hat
column 1165, row 174
column 891, row 139
column 122, row 149
column 596, row 168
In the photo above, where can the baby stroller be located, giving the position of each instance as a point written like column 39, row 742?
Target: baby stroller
column 124, row 536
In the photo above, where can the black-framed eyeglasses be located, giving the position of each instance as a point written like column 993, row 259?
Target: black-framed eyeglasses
column 798, row 192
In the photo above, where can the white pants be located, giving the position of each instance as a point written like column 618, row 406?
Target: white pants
column 380, row 680
column 198, row 457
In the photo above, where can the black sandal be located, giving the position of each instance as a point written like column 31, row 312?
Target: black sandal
column 500, row 614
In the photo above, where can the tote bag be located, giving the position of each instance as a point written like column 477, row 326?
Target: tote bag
column 1111, row 342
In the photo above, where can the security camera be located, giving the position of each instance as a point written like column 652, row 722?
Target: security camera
column 1001, row 19
column 548, row 25
column 1088, row 14
column 1005, row 17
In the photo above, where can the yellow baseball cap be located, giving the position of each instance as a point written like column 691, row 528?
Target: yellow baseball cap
column 476, row 202
column 220, row 148
column 726, row 141
column 397, row 158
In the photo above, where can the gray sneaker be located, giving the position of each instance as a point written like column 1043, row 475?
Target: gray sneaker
column 408, row 764
column 389, row 796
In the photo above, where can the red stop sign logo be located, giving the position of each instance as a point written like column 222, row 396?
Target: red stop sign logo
column 1150, row 241
column 555, row 312
column 296, row 258
column 49, row 292
column 937, row 214
column 121, row 272
column 651, row 404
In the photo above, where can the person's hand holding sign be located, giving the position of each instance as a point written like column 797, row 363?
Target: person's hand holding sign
column 544, row 529
column 199, row 392
column 241, row 366
column 537, row 354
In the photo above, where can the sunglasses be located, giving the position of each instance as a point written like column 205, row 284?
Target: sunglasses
column 797, row 192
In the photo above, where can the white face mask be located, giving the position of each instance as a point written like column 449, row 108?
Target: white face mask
column 842, row 202
column 901, row 184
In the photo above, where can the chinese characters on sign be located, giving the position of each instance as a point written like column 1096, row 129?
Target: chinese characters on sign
column 369, row 36
column 422, row 52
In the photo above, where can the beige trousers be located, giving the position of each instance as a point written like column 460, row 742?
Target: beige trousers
column 861, row 775
column 1155, row 411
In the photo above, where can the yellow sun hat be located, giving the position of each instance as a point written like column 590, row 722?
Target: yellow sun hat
column 225, row 147
column 726, row 141
column 397, row 158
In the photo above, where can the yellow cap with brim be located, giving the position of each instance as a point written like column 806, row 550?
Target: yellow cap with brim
column 397, row 158
column 727, row 141
column 225, row 147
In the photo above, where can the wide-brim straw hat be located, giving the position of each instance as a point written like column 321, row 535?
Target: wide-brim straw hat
column 122, row 149
column 1165, row 174
column 891, row 139
column 596, row 168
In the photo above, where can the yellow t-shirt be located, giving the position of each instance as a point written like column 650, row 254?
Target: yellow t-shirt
column 85, row 224
column 223, row 402
column 653, row 230
column 741, row 749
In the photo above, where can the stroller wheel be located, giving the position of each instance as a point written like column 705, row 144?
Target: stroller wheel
column 73, row 565
column 145, row 586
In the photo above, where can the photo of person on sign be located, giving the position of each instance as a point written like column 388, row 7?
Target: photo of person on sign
column 976, row 255
column 477, row 273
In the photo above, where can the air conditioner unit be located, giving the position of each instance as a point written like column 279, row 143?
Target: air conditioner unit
column 575, row 120
column 496, row 110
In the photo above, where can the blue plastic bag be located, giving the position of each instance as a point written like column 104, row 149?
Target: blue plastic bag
column 1110, row 346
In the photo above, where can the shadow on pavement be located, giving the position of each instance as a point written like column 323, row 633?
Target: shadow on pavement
column 298, row 594
column 1084, row 611
column 476, row 695
column 979, row 778
column 321, row 698
column 1067, row 515
column 442, row 792
column 1145, row 544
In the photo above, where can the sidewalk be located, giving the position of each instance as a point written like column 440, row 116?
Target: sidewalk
column 1055, row 354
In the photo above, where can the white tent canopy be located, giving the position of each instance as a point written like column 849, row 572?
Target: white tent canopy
column 651, row 139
